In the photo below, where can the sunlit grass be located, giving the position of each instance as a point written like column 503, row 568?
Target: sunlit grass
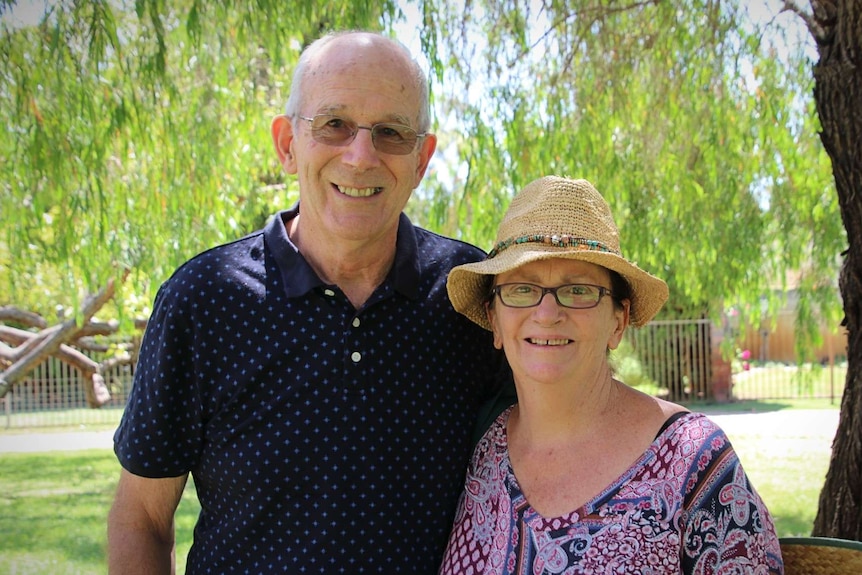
column 54, row 508
column 789, row 477
column 55, row 505
column 786, row 462
column 53, row 511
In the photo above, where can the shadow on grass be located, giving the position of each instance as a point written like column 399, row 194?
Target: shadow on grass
column 793, row 526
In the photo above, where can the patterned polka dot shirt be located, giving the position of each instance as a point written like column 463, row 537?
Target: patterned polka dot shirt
column 320, row 438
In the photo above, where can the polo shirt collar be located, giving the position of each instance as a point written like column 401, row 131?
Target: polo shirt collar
column 299, row 278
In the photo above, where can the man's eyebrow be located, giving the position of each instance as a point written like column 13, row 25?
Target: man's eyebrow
column 399, row 119
column 340, row 112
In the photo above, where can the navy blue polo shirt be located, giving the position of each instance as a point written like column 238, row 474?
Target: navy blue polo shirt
column 321, row 438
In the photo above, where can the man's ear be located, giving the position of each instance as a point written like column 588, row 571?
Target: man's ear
column 426, row 149
column 282, row 138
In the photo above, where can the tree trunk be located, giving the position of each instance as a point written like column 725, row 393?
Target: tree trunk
column 838, row 96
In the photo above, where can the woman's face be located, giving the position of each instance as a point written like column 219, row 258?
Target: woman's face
column 549, row 342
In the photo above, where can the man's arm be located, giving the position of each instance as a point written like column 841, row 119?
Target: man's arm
column 141, row 525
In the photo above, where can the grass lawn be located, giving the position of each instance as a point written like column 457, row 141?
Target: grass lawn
column 785, row 457
column 53, row 506
column 53, row 512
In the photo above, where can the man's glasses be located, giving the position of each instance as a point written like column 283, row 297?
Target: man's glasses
column 575, row 296
column 396, row 139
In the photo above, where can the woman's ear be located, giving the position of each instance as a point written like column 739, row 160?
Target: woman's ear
column 621, row 317
column 492, row 319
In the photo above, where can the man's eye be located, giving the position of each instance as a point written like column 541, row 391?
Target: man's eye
column 390, row 132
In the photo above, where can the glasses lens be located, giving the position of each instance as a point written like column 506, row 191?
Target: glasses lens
column 578, row 296
column 332, row 130
column 519, row 295
column 395, row 139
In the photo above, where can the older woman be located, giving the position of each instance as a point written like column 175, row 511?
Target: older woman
column 585, row 474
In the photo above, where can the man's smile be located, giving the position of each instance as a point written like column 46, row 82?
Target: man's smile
column 359, row 192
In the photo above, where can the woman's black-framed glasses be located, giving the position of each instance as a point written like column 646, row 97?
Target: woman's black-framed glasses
column 387, row 137
column 574, row 296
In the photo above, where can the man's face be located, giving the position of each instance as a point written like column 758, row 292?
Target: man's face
column 354, row 191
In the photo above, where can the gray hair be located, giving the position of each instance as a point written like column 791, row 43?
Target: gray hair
column 294, row 101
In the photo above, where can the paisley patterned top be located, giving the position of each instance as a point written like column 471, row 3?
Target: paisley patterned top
column 685, row 506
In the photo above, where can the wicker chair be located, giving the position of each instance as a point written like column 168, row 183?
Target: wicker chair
column 821, row 556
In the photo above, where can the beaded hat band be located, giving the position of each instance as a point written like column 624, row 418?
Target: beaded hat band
column 563, row 241
column 554, row 217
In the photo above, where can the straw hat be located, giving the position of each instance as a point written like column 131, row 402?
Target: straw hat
column 554, row 217
column 821, row 556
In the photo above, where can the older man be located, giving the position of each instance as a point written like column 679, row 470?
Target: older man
column 313, row 377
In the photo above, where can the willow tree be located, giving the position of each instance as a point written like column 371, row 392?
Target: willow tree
column 704, row 140
column 141, row 137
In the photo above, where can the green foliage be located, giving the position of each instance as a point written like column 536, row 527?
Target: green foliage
column 788, row 381
column 141, row 137
column 629, row 369
column 703, row 140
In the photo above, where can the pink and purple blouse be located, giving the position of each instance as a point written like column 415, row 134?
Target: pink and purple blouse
column 685, row 506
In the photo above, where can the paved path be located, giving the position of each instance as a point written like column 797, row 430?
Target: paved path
column 12, row 442
column 785, row 422
column 816, row 424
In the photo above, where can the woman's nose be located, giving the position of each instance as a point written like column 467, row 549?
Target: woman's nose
column 548, row 308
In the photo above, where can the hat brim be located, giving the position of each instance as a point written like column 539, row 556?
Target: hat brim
column 469, row 285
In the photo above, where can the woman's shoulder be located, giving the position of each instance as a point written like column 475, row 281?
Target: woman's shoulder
column 691, row 434
column 654, row 414
column 691, row 423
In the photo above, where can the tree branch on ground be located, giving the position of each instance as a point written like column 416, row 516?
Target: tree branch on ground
column 21, row 351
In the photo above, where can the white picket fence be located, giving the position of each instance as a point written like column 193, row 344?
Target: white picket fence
column 54, row 395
